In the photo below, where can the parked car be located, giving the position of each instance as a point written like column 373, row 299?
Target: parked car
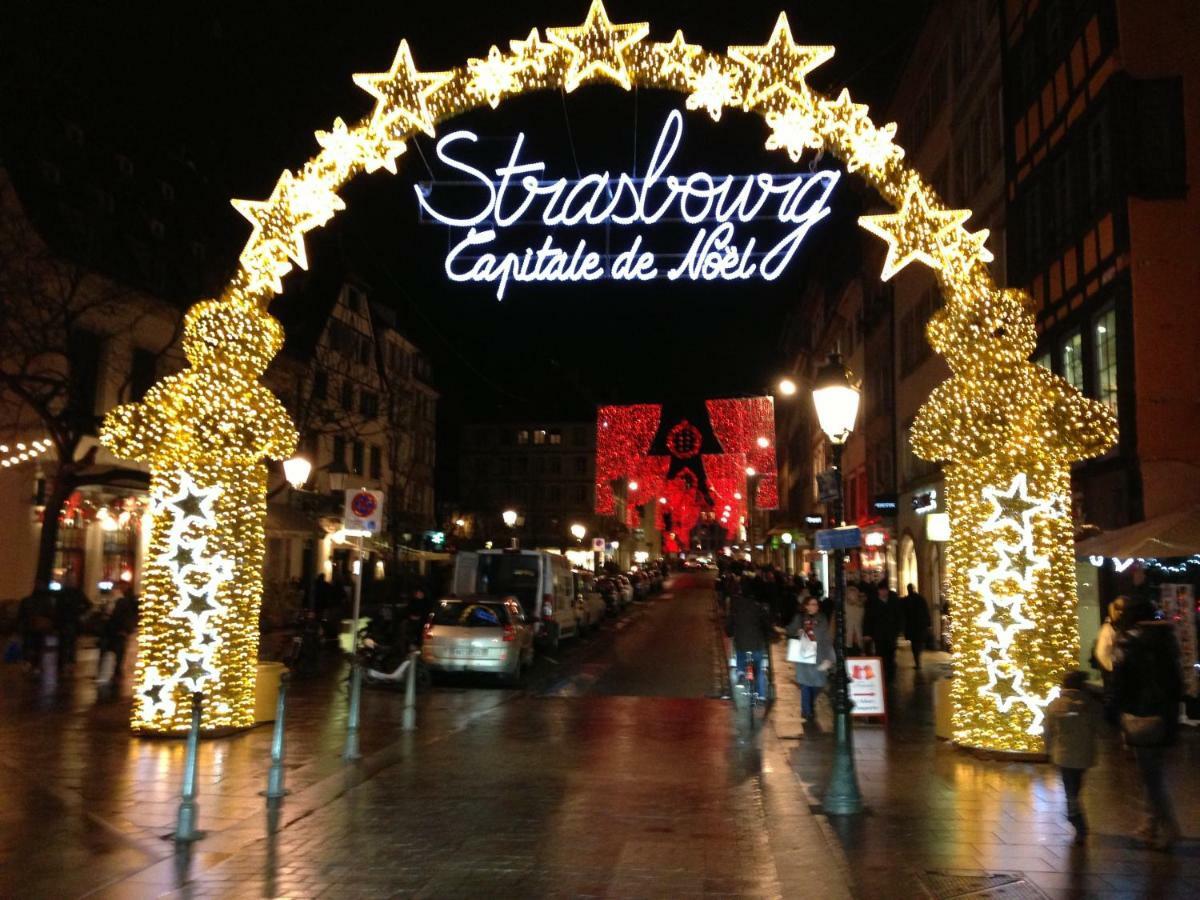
column 478, row 634
column 590, row 603
column 542, row 582
column 611, row 592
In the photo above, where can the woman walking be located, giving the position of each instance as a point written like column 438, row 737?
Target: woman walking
column 811, row 649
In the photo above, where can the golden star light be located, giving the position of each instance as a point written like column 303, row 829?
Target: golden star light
column 1003, row 429
column 597, row 48
column 402, row 93
column 779, row 65
column 913, row 232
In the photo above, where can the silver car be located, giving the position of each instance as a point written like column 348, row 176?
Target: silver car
column 479, row 634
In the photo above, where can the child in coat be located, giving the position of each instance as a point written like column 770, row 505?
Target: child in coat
column 1073, row 721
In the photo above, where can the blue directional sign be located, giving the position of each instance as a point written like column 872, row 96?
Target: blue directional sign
column 845, row 538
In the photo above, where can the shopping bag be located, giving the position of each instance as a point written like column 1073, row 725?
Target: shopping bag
column 802, row 649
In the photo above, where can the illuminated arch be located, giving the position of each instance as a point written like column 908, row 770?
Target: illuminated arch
column 1006, row 430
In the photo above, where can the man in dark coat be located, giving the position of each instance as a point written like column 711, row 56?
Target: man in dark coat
column 916, row 623
column 1147, row 687
column 35, row 620
column 883, row 623
column 70, row 606
column 749, row 624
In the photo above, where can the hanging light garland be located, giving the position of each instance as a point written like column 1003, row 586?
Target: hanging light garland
column 998, row 418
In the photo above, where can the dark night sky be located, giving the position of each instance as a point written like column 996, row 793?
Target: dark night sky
column 243, row 85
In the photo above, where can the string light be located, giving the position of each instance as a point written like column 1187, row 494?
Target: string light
column 997, row 418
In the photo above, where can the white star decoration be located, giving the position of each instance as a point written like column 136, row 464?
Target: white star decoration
column 795, row 131
column 1003, row 614
column 197, row 579
column 713, row 89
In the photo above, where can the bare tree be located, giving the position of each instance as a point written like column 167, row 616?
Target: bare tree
column 54, row 314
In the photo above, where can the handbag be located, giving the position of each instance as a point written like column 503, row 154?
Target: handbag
column 1143, row 731
column 802, row 649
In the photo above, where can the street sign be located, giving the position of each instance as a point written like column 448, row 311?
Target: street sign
column 828, row 489
column 864, row 676
column 847, row 537
column 598, row 545
column 363, row 513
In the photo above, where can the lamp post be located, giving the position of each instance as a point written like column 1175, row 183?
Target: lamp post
column 510, row 519
column 836, row 400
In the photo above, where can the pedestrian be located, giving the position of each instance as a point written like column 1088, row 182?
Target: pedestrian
column 1147, row 687
column 70, row 606
column 812, row 653
column 1072, row 724
column 35, row 620
column 1102, row 655
column 856, row 607
column 916, row 623
column 119, row 627
column 883, row 623
column 749, row 625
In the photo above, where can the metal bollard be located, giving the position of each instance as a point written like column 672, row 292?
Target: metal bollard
column 185, row 822
column 409, row 721
column 351, row 752
column 275, row 789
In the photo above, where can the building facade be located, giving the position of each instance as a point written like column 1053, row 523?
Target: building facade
column 1102, row 128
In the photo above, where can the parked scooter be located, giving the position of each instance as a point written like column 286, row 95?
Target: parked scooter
column 387, row 664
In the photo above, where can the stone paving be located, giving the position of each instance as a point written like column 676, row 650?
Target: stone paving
column 933, row 808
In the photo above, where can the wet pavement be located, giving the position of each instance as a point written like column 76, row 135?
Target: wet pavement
column 615, row 773
column 939, row 818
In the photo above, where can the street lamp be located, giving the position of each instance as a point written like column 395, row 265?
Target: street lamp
column 296, row 470
column 836, row 400
column 578, row 531
column 511, row 518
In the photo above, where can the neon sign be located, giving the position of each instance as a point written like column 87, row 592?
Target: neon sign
column 715, row 204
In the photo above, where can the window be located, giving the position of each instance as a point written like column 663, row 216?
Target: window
column 580, row 493
column 320, row 387
column 1072, row 360
column 1104, row 337
column 339, row 449
column 580, row 463
column 158, row 229
column 1046, row 361
column 579, row 437
column 167, row 191
column 555, row 436
column 554, row 495
column 522, row 437
column 347, row 396
column 376, row 463
column 125, row 165
column 539, row 436
column 368, row 404
column 84, row 349
column 356, row 462
column 355, row 299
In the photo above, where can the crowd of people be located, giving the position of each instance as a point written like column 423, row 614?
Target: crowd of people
column 55, row 618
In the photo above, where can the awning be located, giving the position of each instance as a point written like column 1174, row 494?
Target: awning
column 1167, row 536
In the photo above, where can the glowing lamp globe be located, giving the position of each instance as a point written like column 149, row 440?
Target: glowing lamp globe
column 836, row 400
column 510, row 517
column 296, row 470
column 578, row 531
column 787, row 387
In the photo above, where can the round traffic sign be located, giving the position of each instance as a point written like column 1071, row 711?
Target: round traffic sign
column 363, row 504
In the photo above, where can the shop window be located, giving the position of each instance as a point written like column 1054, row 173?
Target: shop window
column 1104, row 342
column 1072, row 359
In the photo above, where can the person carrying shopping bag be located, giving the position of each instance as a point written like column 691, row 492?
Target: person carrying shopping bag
column 810, row 647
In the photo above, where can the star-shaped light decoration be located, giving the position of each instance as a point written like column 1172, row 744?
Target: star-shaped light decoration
column 1014, row 507
column 795, row 131
column 1021, row 562
column 713, row 89
column 156, row 695
column 966, row 247
column 264, row 266
column 198, row 603
column 678, row 57
column 193, row 672
column 493, row 76
column 779, row 65
column 873, row 148
column 190, row 503
column 533, row 54
column 597, row 47
column 347, row 147
column 1005, row 689
column 1004, row 620
column 182, row 554
column 913, row 232
column 402, row 93
column 294, row 207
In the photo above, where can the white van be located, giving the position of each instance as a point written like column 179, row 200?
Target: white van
column 541, row 581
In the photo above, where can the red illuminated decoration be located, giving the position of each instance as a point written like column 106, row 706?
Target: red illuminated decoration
column 693, row 456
